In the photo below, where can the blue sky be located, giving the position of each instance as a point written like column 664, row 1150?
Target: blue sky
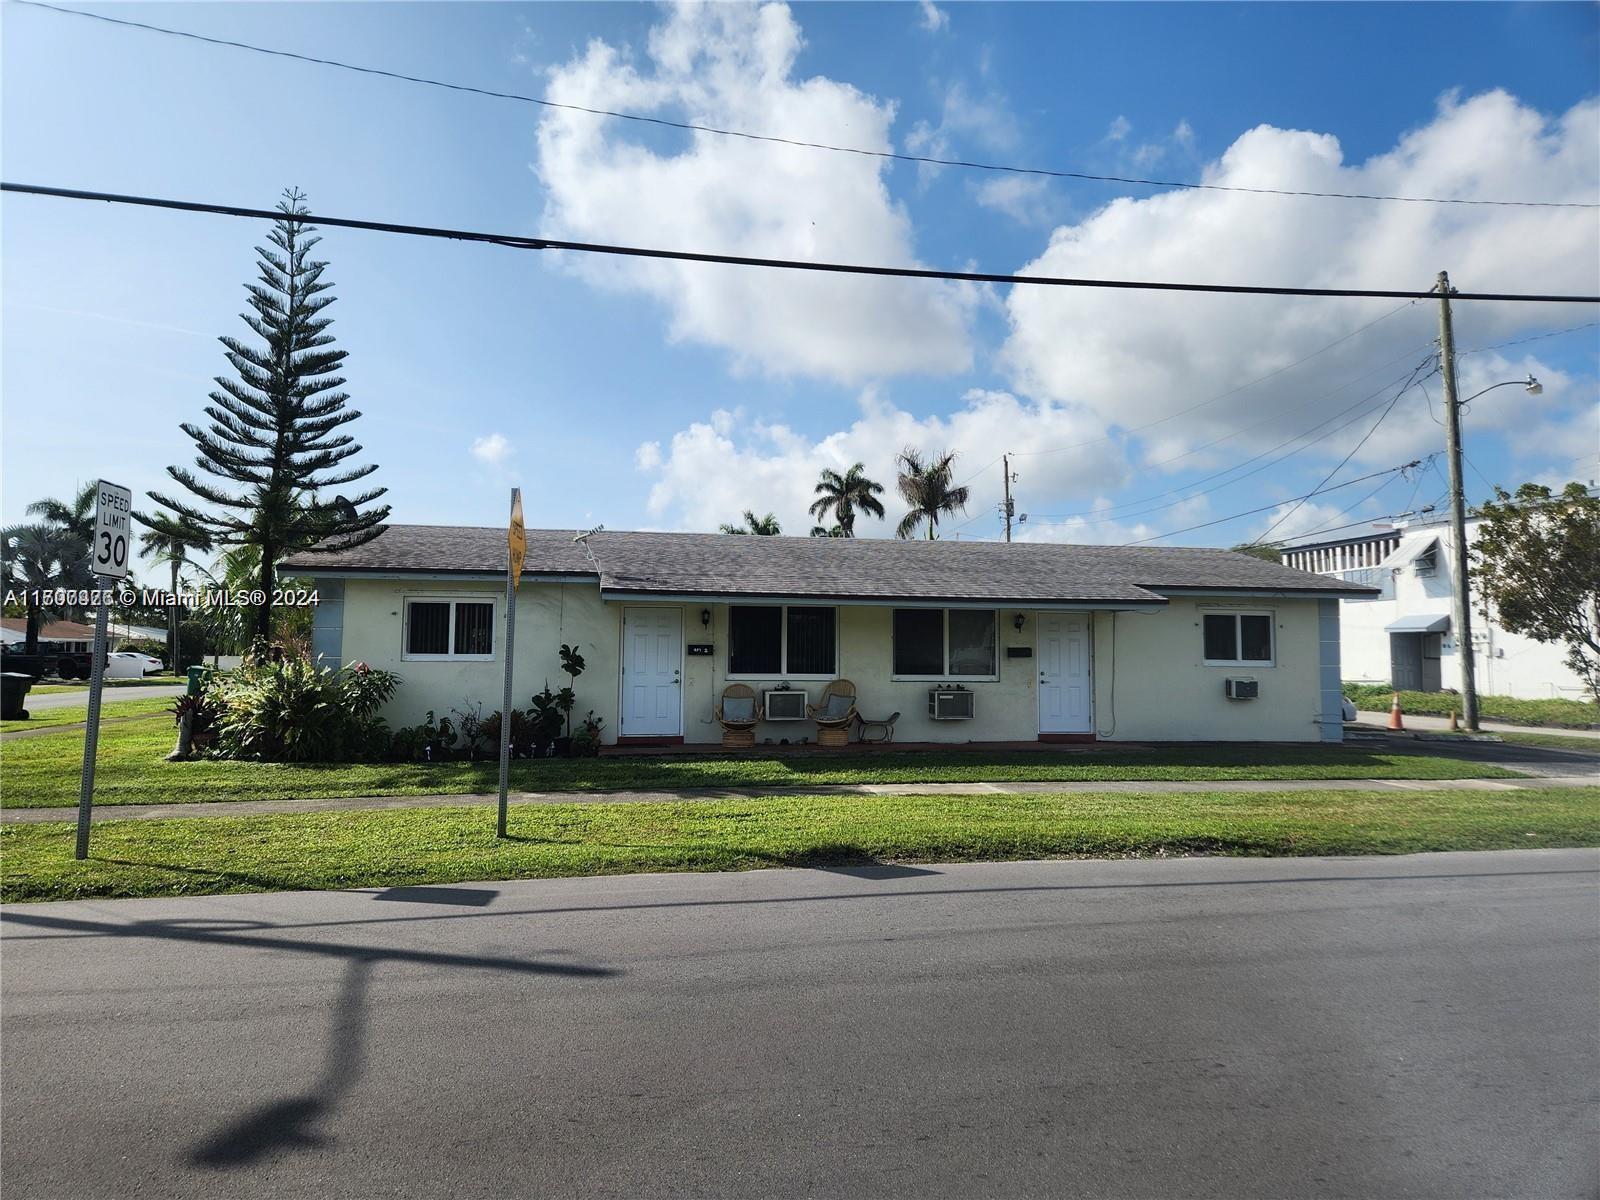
column 673, row 397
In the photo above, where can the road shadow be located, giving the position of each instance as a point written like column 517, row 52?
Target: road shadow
column 421, row 894
column 292, row 1123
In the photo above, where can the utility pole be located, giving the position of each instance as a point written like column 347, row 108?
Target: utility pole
column 1458, row 511
column 1010, row 508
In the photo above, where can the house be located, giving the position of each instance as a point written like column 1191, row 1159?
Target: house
column 68, row 635
column 1025, row 641
column 1402, row 634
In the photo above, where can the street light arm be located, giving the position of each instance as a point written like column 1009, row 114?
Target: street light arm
column 1533, row 385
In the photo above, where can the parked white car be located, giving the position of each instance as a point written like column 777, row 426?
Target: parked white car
column 130, row 664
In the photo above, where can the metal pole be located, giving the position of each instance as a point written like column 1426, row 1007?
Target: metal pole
column 1005, row 466
column 91, row 733
column 505, row 702
column 1458, row 512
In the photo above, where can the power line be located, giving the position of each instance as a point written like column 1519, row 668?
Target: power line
column 1535, row 338
column 1268, row 508
column 782, row 141
column 1381, row 418
column 1099, row 516
column 522, row 242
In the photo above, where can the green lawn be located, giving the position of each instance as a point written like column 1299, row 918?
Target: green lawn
column 44, row 718
column 43, row 772
column 1571, row 714
column 441, row 845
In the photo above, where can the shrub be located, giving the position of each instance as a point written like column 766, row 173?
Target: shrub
column 295, row 711
column 586, row 741
column 427, row 742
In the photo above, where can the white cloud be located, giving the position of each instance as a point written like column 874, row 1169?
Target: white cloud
column 492, row 450
column 1119, row 129
column 965, row 121
column 714, row 469
column 934, row 18
column 733, row 66
column 1137, row 357
column 1025, row 199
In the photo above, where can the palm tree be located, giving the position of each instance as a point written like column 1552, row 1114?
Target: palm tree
column 40, row 558
column 843, row 495
column 829, row 531
column 925, row 484
column 165, row 538
column 76, row 517
column 766, row 526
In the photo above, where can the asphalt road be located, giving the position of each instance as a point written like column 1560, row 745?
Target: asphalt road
column 79, row 697
column 1386, row 1027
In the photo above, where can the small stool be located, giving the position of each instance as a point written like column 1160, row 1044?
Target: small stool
column 884, row 728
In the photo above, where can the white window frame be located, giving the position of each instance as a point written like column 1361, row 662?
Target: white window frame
column 783, row 644
column 1238, row 637
column 948, row 678
column 453, row 602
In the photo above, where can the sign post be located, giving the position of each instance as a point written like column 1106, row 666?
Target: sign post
column 108, row 559
column 516, row 551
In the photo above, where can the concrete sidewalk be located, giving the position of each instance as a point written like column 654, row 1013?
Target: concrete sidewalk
column 1439, row 724
column 246, row 808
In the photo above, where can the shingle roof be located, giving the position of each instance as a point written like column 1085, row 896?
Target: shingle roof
column 710, row 564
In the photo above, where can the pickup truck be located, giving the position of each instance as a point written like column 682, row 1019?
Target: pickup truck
column 52, row 659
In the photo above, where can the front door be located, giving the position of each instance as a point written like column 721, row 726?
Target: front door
column 652, row 672
column 1066, row 704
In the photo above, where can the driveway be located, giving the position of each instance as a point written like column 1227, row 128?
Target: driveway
column 1418, row 1026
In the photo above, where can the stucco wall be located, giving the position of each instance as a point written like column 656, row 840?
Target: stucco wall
column 1508, row 664
column 547, row 616
column 1150, row 682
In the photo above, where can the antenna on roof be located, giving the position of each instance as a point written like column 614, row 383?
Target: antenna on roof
column 582, row 539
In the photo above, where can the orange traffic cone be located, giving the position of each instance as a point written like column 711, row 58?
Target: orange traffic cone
column 1394, row 714
column 1455, row 726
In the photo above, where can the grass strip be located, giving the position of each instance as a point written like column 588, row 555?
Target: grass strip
column 189, row 856
column 43, row 772
column 46, row 718
column 53, row 689
column 1573, row 714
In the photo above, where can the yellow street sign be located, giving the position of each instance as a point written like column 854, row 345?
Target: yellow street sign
column 517, row 539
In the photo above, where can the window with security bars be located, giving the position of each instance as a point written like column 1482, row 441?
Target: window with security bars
column 449, row 629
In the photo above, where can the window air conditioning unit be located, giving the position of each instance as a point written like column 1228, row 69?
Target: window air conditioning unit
column 946, row 704
column 785, row 705
column 1241, row 689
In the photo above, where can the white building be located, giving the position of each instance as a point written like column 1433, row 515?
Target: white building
column 1404, row 637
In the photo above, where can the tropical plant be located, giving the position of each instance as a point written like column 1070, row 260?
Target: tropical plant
column 548, row 715
column 295, row 711
column 172, row 542
column 75, row 516
column 925, row 484
column 572, row 663
column 844, row 496
column 1267, row 551
column 276, row 427
column 427, row 742
column 766, row 526
column 586, row 742
column 1537, row 564
column 41, row 558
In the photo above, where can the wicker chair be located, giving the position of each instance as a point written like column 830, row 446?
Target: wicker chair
column 738, row 716
column 833, row 713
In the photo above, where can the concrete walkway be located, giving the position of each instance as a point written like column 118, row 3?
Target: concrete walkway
column 1437, row 724
column 247, row 808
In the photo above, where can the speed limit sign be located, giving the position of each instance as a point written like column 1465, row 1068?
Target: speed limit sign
column 113, row 531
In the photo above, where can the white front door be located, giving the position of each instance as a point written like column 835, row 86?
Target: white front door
column 652, row 672
column 1066, row 704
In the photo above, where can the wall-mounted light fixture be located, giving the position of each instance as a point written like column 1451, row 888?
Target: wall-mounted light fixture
column 705, row 618
column 1019, row 621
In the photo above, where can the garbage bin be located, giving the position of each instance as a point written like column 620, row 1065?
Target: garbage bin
column 197, row 679
column 14, row 687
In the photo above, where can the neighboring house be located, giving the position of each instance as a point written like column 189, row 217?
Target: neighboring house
column 1045, row 641
column 1404, row 636
column 70, row 635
